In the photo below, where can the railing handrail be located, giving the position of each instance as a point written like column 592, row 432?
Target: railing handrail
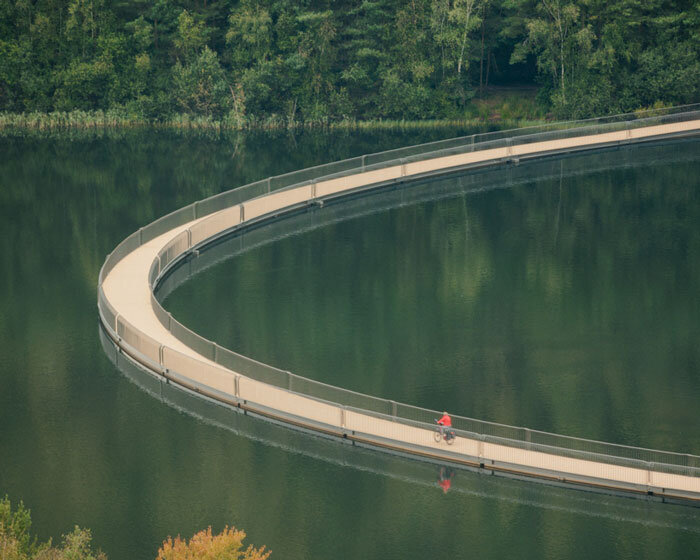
column 186, row 214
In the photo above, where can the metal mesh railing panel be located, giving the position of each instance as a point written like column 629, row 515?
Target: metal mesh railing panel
column 343, row 397
column 127, row 246
column 252, row 368
column 174, row 248
column 162, row 315
column 168, row 222
column 207, row 374
column 313, row 173
column 230, row 198
column 276, row 201
column 190, row 338
column 138, row 340
column 109, row 314
column 291, row 403
column 215, row 224
column 153, row 273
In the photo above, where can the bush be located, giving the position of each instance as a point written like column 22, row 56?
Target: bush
column 17, row 544
column 204, row 546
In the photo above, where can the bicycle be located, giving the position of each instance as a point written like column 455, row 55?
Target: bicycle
column 444, row 432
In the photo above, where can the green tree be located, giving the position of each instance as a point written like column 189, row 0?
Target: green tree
column 200, row 87
column 556, row 36
column 191, row 36
column 452, row 22
column 11, row 63
column 86, row 20
column 249, row 36
column 16, row 542
column 363, row 52
column 312, row 63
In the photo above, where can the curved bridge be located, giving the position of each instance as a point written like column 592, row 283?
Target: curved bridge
column 144, row 332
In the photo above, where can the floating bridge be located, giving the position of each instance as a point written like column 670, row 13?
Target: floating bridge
column 148, row 335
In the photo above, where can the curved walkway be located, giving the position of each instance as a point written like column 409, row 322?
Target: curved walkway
column 144, row 331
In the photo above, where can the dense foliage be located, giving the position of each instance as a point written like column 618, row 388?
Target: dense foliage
column 243, row 61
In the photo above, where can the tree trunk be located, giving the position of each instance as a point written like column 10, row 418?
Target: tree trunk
column 481, row 62
column 563, row 87
column 469, row 9
column 488, row 67
column 464, row 44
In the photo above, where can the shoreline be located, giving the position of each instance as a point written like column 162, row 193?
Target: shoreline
column 90, row 121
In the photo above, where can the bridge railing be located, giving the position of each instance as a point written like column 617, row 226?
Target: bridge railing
column 210, row 225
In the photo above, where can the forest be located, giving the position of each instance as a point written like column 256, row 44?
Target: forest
column 244, row 63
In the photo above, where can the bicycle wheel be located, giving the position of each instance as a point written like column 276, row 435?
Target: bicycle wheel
column 450, row 438
column 437, row 435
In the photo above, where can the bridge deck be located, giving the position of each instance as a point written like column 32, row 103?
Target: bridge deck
column 127, row 289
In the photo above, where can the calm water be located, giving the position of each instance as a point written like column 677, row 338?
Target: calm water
column 568, row 304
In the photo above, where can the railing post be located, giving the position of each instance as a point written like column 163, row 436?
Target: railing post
column 237, row 386
column 364, row 157
column 342, row 416
column 242, row 218
column 215, row 353
column 194, row 210
column 393, row 409
column 269, row 184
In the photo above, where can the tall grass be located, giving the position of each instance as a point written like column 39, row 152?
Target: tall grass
column 70, row 119
column 500, row 112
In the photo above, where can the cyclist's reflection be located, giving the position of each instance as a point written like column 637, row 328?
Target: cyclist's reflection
column 445, row 476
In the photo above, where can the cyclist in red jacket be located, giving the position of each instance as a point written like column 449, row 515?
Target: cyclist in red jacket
column 445, row 421
column 445, row 428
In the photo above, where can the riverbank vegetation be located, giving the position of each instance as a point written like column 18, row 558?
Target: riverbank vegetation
column 500, row 111
column 17, row 543
column 276, row 63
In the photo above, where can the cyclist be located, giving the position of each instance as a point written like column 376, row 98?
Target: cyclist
column 445, row 423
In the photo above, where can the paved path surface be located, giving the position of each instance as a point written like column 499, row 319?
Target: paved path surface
column 126, row 288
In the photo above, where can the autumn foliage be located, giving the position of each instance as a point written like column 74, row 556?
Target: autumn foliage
column 227, row 545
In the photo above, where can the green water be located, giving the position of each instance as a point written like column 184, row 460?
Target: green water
column 568, row 304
